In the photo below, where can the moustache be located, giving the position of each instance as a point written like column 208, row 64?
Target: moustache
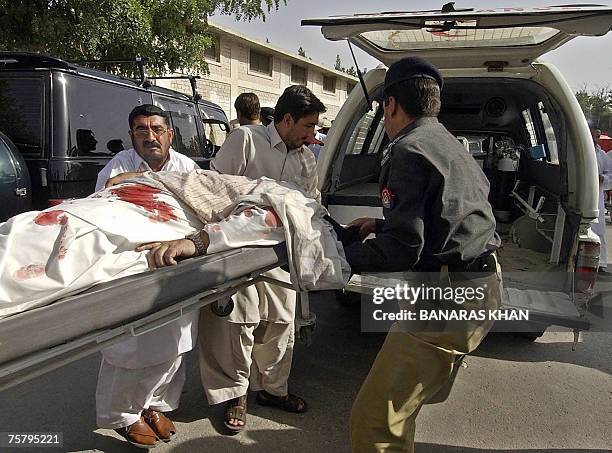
column 152, row 144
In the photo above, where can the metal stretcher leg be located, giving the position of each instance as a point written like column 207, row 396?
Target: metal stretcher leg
column 305, row 320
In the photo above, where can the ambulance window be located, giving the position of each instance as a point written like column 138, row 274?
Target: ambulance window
column 551, row 140
column 359, row 137
column 530, row 127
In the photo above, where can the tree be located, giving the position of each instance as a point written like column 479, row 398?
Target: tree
column 169, row 33
column 596, row 106
column 338, row 65
column 351, row 71
column 301, row 52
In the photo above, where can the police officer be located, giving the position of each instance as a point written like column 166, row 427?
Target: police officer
column 437, row 218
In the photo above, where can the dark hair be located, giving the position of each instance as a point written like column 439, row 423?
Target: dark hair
column 148, row 110
column 418, row 97
column 299, row 101
column 247, row 105
column 266, row 115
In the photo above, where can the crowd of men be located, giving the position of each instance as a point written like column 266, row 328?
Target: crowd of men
column 440, row 222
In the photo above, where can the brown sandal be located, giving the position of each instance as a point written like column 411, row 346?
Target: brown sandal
column 288, row 403
column 237, row 409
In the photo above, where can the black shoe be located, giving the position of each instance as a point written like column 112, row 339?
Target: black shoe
column 603, row 271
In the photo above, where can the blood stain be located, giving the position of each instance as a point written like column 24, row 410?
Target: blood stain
column 272, row 219
column 143, row 196
column 51, row 218
column 29, row 271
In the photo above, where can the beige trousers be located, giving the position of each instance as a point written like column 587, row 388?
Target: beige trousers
column 123, row 393
column 231, row 353
column 408, row 370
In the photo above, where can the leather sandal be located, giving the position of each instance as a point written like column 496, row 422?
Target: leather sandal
column 237, row 409
column 288, row 403
column 139, row 434
column 160, row 424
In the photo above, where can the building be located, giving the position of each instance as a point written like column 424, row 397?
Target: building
column 239, row 64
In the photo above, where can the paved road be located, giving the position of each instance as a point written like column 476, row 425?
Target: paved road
column 514, row 396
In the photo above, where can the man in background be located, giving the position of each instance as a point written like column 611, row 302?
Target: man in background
column 604, row 168
column 142, row 377
column 247, row 109
column 318, row 142
column 260, row 330
column 152, row 149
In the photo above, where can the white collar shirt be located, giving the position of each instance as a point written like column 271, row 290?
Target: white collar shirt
column 257, row 150
column 129, row 160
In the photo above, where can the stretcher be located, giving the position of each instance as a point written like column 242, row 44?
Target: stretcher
column 43, row 339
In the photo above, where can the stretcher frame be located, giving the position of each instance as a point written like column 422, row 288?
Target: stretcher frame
column 43, row 339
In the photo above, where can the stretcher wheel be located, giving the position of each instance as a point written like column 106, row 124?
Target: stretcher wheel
column 222, row 309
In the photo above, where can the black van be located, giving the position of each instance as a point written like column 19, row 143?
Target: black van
column 68, row 121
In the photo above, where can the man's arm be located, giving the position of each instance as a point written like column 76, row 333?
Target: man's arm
column 400, row 237
column 246, row 227
column 104, row 176
column 114, row 167
column 311, row 177
column 232, row 157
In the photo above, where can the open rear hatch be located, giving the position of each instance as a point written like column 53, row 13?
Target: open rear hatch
column 468, row 37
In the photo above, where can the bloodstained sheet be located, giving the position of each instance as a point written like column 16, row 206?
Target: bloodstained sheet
column 144, row 196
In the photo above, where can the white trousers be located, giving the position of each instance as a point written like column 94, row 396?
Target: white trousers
column 230, row 353
column 122, row 394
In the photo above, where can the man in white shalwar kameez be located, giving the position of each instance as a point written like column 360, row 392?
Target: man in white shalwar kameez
column 604, row 167
column 142, row 377
column 256, row 340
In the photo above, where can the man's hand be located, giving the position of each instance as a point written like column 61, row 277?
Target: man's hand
column 121, row 177
column 168, row 252
column 367, row 226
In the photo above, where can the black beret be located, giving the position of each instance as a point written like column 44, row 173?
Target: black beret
column 412, row 68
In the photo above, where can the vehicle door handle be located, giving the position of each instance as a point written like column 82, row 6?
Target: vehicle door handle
column 22, row 192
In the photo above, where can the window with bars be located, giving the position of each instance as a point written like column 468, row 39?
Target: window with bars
column 329, row 84
column 214, row 51
column 260, row 62
column 298, row 74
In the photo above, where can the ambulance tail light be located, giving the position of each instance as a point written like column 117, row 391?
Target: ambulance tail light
column 587, row 263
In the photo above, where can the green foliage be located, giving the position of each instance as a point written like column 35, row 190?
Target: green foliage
column 351, row 71
column 338, row 65
column 169, row 33
column 597, row 106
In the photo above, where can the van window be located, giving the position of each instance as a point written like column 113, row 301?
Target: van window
column 184, row 119
column 551, row 140
column 530, row 127
column 215, row 132
column 93, row 131
column 21, row 119
column 360, row 133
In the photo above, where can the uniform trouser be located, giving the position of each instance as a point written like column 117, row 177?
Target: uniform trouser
column 122, row 393
column 409, row 369
column 230, row 353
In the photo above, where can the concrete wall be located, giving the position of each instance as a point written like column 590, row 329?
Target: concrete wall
column 232, row 76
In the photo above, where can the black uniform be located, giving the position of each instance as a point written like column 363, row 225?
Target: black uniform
column 435, row 206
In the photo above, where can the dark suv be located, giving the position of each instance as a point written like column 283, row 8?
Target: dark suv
column 68, row 121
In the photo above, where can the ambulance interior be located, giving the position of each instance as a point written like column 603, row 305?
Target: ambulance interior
column 518, row 137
